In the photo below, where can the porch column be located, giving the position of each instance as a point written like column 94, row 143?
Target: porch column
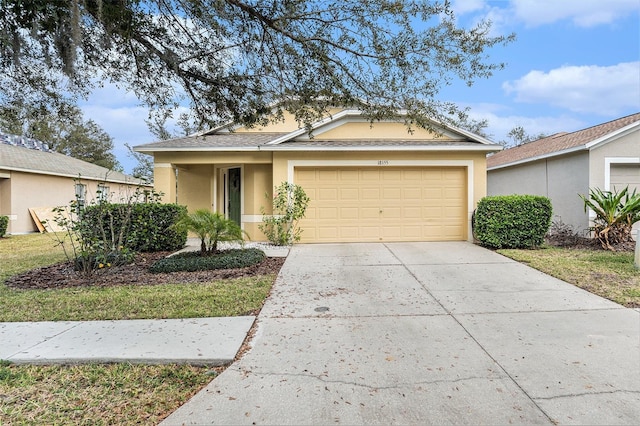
column 164, row 181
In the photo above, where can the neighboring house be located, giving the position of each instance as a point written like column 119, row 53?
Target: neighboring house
column 35, row 179
column 561, row 166
column 367, row 182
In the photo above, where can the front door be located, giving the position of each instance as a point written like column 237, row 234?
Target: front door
column 233, row 201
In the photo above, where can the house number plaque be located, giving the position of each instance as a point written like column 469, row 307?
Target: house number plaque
column 383, row 162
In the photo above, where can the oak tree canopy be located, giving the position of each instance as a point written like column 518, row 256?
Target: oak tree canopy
column 236, row 59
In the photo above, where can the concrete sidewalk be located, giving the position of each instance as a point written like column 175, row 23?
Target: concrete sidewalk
column 200, row 341
column 424, row 333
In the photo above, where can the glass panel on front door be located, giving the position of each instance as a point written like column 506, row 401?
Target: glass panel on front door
column 233, row 192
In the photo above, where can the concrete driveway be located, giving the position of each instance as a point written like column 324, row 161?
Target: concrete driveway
column 419, row 333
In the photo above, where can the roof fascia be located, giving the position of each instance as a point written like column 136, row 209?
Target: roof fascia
column 540, row 157
column 76, row 176
column 482, row 148
column 610, row 137
column 314, row 126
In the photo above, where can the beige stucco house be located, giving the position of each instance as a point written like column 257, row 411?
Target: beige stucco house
column 367, row 182
column 561, row 166
column 33, row 177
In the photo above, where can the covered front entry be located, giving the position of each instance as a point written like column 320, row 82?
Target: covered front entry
column 364, row 204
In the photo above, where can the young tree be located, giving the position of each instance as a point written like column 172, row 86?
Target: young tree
column 519, row 136
column 239, row 59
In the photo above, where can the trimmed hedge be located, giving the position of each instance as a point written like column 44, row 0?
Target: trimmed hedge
column 512, row 221
column 195, row 261
column 150, row 228
column 4, row 222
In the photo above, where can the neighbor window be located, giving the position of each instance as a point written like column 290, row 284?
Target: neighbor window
column 81, row 195
column 103, row 192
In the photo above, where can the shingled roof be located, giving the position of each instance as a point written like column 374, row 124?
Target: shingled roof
column 562, row 143
column 223, row 139
column 30, row 160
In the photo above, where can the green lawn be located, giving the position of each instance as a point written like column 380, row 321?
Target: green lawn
column 121, row 394
column 608, row 274
column 213, row 299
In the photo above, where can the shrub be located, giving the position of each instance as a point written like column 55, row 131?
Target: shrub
column 147, row 227
column 196, row 261
column 289, row 206
column 616, row 212
column 4, row 222
column 513, row 221
column 210, row 227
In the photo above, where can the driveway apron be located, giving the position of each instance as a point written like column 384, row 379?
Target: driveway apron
column 423, row 333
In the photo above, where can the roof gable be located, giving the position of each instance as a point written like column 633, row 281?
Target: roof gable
column 564, row 143
column 340, row 131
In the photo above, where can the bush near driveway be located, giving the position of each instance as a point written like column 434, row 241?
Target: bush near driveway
column 512, row 221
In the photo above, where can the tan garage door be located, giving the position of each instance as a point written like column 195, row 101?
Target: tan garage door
column 623, row 175
column 384, row 204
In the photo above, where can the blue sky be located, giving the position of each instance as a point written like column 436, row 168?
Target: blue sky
column 574, row 64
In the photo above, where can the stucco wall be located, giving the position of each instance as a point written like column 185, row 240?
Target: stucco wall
column 194, row 186
column 560, row 179
column 627, row 146
column 29, row 190
column 365, row 130
column 5, row 196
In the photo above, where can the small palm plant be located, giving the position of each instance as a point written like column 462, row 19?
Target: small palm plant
column 211, row 228
column 616, row 212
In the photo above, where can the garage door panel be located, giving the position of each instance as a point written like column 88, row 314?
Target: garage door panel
column 348, row 194
column 369, row 213
column 391, row 213
column 328, row 213
column 412, row 212
column 384, row 203
column 370, row 193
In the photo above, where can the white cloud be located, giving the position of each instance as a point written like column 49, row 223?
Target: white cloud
column 501, row 122
column 583, row 13
column 534, row 13
column 461, row 7
column 604, row 90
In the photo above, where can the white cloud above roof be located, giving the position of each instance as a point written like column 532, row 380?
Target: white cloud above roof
column 583, row 13
column 534, row 13
column 604, row 90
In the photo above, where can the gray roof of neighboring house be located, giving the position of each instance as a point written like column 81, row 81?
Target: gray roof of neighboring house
column 34, row 160
column 559, row 143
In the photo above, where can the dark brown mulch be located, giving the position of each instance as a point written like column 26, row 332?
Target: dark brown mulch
column 62, row 275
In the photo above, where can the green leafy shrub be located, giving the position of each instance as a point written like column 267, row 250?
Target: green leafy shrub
column 147, row 227
column 196, row 261
column 4, row 222
column 616, row 212
column 210, row 227
column 289, row 206
column 512, row 221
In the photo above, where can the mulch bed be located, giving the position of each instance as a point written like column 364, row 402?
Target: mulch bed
column 62, row 275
